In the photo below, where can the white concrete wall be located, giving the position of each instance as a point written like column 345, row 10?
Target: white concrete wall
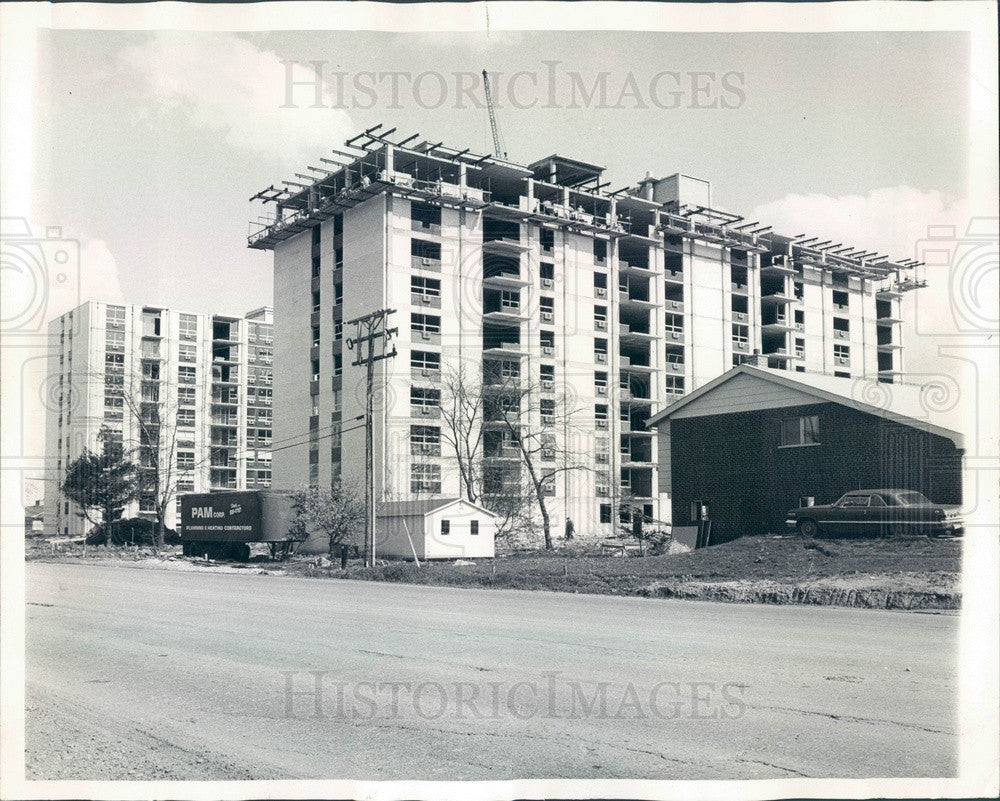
column 459, row 543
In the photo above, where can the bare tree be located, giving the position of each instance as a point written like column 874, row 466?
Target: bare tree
column 534, row 436
column 461, row 405
column 338, row 512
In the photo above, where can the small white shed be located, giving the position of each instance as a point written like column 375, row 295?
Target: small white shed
column 439, row 528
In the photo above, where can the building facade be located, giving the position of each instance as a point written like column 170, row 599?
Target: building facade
column 587, row 309
column 748, row 446
column 207, row 379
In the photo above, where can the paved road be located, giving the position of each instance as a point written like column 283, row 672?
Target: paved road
column 147, row 674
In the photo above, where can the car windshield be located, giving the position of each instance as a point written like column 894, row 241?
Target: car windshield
column 912, row 498
column 854, row 500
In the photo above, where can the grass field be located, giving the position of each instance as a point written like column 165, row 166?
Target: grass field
column 905, row 573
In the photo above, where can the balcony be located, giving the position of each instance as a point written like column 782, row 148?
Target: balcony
column 504, row 245
column 780, row 297
column 889, row 347
column 628, row 334
column 505, row 349
column 626, row 365
column 629, row 268
column 504, row 280
column 628, row 299
column 506, row 313
column 783, row 267
column 777, row 325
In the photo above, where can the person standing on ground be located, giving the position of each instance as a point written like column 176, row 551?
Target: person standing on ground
column 570, row 529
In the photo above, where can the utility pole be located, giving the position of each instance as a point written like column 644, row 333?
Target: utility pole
column 371, row 340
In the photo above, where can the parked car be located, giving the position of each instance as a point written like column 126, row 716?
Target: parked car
column 877, row 512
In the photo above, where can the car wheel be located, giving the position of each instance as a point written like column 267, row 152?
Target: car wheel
column 808, row 528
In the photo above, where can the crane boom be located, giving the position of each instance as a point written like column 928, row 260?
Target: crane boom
column 497, row 144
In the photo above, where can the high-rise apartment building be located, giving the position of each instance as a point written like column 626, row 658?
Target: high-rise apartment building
column 206, row 379
column 605, row 305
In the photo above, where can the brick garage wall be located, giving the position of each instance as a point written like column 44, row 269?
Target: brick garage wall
column 734, row 464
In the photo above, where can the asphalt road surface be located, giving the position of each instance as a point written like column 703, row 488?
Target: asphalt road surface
column 149, row 674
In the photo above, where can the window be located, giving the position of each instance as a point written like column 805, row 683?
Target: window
column 547, row 339
column 601, row 383
column 741, row 334
column 425, row 361
column 425, row 289
column 185, row 396
column 547, row 376
column 601, row 416
column 601, row 450
column 188, row 327
column 187, row 353
column 425, row 254
column 600, row 251
column 425, row 478
column 186, row 375
column 185, row 417
column 315, row 300
column 116, row 340
column 547, row 407
column 601, row 318
column 185, row 460
column 800, row 430
column 600, row 350
column 675, row 324
column 338, row 364
column 446, row 527
column 546, row 271
column 338, row 330
column 115, row 316
column 338, row 294
column 425, row 441
column 853, row 501
column 474, row 527
column 841, row 354
column 605, row 512
column 424, row 325
column 424, row 400
column 315, row 335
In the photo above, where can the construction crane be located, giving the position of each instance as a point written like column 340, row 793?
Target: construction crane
column 498, row 148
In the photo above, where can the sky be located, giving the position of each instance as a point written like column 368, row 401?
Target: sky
column 148, row 145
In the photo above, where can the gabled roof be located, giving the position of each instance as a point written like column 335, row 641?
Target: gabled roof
column 422, row 507
column 906, row 404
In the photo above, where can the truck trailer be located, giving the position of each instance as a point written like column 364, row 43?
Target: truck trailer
column 228, row 525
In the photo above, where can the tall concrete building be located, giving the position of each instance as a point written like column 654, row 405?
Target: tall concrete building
column 206, row 378
column 607, row 305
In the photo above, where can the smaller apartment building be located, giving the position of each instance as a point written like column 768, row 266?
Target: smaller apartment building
column 207, row 378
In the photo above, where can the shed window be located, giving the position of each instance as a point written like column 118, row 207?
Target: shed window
column 800, row 430
column 446, row 527
column 474, row 527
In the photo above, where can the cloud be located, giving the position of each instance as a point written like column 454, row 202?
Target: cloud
column 221, row 82
column 891, row 220
column 896, row 221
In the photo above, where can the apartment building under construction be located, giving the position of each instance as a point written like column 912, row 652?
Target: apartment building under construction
column 201, row 382
column 606, row 305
